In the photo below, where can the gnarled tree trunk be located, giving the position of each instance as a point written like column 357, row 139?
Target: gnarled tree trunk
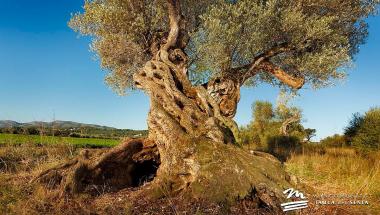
column 180, row 116
column 196, row 137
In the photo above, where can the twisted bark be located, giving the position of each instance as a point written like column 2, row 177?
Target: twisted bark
column 180, row 115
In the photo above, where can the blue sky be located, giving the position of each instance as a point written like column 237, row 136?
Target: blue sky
column 47, row 72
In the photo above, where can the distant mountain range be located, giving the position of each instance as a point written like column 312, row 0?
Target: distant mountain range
column 56, row 124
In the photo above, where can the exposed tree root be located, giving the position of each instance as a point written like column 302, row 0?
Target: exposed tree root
column 128, row 165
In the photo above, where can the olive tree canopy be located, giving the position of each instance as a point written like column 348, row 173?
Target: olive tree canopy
column 249, row 41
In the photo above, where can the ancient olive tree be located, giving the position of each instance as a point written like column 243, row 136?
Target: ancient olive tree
column 192, row 57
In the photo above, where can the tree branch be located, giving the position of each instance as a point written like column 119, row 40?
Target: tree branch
column 174, row 10
column 285, row 125
column 280, row 74
column 262, row 63
column 243, row 73
column 275, row 50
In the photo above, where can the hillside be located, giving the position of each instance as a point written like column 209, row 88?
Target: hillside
column 67, row 128
column 56, row 124
column 9, row 123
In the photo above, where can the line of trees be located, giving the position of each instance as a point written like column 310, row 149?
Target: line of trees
column 82, row 132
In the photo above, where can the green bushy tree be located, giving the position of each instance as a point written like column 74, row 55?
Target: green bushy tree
column 353, row 127
column 309, row 133
column 368, row 134
column 268, row 122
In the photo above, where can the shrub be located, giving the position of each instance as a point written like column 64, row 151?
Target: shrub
column 368, row 135
column 353, row 127
column 32, row 131
column 334, row 141
column 283, row 146
column 74, row 135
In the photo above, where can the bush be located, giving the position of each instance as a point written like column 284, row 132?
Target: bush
column 32, row 131
column 74, row 135
column 334, row 141
column 368, row 135
column 353, row 127
column 283, row 147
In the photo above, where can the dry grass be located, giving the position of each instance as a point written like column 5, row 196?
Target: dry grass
column 339, row 170
column 18, row 165
column 30, row 157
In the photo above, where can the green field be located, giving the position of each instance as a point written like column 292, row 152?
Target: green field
column 18, row 139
